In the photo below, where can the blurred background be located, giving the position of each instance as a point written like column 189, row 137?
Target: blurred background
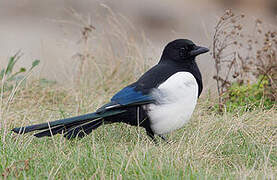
column 52, row 30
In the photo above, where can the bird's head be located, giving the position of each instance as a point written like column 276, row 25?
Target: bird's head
column 182, row 51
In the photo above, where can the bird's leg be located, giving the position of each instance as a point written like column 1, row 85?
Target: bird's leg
column 152, row 136
column 163, row 138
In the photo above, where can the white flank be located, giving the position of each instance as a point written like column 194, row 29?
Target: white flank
column 177, row 98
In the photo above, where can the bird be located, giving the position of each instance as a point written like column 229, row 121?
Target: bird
column 161, row 100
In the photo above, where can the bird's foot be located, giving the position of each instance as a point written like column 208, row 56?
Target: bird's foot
column 164, row 138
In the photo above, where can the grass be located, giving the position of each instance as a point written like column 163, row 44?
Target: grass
column 210, row 146
column 228, row 146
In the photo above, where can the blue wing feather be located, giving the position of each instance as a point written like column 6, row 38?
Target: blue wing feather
column 129, row 95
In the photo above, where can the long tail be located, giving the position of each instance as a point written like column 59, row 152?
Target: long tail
column 71, row 127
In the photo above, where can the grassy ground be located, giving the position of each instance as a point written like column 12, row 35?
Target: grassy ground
column 231, row 145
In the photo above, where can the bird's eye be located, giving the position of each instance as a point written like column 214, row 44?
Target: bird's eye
column 183, row 52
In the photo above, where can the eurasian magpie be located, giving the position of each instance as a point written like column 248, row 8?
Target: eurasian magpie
column 161, row 100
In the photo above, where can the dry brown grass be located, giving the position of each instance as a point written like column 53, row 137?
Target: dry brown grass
column 229, row 145
column 244, row 52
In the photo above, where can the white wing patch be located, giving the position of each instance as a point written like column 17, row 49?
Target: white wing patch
column 176, row 100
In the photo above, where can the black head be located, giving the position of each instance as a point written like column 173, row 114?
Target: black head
column 182, row 50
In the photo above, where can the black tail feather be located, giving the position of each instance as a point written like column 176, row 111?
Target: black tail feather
column 82, row 130
column 64, row 122
column 50, row 132
column 71, row 127
column 57, row 130
column 73, row 131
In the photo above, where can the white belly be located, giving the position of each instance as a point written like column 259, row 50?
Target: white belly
column 177, row 98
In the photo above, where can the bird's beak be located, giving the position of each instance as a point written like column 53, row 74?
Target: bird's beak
column 198, row 50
